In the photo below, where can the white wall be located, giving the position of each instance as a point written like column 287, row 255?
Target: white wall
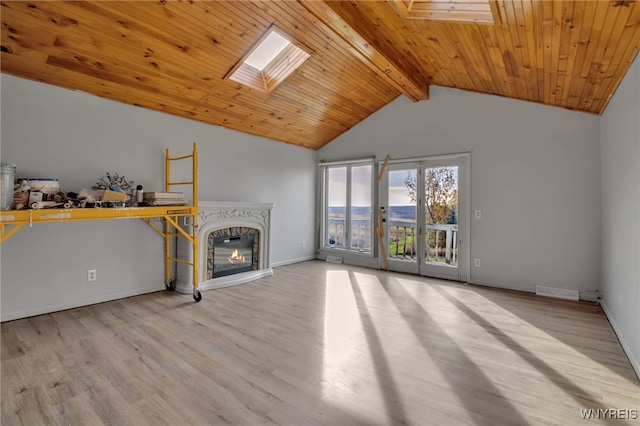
column 620, row 159
column 534, row 174
column 77, row 138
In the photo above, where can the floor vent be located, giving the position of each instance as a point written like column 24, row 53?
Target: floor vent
column 334, row 259
column 560, row 293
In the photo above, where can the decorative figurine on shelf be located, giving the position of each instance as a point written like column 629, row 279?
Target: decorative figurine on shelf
column 117, row 184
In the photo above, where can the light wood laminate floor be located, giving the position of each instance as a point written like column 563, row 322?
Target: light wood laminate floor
column 318, row 343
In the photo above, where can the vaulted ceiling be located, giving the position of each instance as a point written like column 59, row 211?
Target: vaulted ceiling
column 173, row 56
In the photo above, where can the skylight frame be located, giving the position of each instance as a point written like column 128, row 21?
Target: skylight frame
column 461, row 11
column 275, row 71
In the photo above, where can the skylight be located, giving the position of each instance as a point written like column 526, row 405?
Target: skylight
column 267, row 51
column 269, row 62
column 476, row 11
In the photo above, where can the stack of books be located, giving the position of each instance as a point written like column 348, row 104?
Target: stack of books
column 164, row 199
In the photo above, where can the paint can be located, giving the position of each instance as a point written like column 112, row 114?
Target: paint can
column 7, row 181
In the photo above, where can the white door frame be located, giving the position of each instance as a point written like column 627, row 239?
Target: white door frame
column 411, row 265
column 463, row 161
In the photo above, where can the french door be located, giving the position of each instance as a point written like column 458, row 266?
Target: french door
column 424, row 209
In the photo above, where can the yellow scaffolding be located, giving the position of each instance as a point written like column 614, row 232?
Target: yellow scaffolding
column 12, row 220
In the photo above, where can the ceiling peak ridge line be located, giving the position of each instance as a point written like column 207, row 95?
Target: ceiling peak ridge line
column 365, row 52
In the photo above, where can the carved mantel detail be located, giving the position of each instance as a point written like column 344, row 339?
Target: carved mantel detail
column 261, row 216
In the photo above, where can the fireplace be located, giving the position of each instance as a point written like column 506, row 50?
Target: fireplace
column 232, row 251
column 234, row 245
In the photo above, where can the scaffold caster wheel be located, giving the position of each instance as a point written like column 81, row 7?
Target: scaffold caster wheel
column 197, row 296
column 170, row 284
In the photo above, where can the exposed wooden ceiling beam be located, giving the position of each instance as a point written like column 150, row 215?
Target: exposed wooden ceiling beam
column 363, row 50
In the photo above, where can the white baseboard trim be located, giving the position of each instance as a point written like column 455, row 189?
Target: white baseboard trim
column 559, row 293
column 349, row 258
column 292, row 261
column 627, row 349
column 55, row 307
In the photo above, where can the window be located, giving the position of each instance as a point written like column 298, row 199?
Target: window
column 267, row 51
column 476, row 11
column 269, row 62
column 347, row 206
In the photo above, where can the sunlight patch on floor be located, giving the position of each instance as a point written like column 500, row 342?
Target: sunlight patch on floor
column 341, row 321
column 403, row 358
column 347, row 378
column 562, row 345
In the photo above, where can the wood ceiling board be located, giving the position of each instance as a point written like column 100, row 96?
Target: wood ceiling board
column 374, row 59
column 112, row 50
column 532, row 65
column 596, row 50
column 539, row 42
column 171, row 56
column 297, row 19
column 620, row 60
column 583, row 50
column 108, row 73
column 325, row 51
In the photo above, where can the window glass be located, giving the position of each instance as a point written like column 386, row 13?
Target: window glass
column 348, row 198
column 361, row 207
column 337, row 205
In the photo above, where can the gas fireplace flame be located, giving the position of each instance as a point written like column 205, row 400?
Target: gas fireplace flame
column 236, row 257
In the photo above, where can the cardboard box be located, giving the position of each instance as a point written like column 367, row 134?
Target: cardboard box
column 109, row 195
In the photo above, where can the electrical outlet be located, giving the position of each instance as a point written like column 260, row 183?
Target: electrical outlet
column 92, row 275
column 476, row 263
column 478, row 214
column 304, row 244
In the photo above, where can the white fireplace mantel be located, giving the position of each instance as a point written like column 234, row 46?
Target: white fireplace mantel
column 213, row 215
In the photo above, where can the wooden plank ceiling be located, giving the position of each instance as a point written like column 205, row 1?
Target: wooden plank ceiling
column 172, row 56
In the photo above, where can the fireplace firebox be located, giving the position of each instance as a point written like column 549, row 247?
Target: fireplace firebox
column 232, row 255
column 232, row 251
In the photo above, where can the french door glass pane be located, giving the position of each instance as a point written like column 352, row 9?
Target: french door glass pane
column 441, row 211
column 336, row 206
column 402, row 215
column 361, row 207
